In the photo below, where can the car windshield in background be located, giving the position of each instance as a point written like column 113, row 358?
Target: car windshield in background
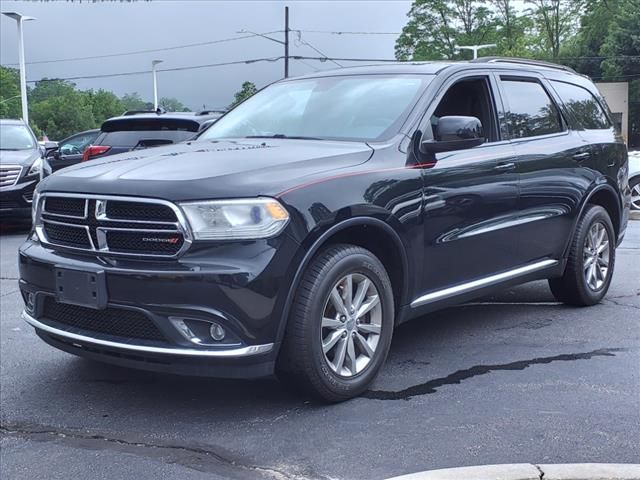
column 16, row 137
column 339, row 108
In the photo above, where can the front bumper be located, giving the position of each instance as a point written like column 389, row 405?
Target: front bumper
column 15, row 201
column 239, row 286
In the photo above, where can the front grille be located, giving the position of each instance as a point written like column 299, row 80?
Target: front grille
column 133, row 242
column 118, row 322
column 135, row 211
column 9, row 175
column 67, row 235
column 66, row 207
column 111, row 225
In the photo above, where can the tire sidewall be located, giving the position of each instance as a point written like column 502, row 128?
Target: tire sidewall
column 373, row 269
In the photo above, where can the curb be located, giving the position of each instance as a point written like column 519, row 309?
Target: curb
column 634, row 215
column 529, row 471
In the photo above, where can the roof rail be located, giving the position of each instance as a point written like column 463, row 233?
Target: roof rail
column 523, row 61
column 208, row 112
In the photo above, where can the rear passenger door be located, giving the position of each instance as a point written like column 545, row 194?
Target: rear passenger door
column 549, row 156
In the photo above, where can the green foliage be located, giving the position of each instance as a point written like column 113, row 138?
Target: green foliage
column 133, row 101
column 104, row 105
column 60, row 117
column 10, row 106
column 172, row 105
column 247, row 90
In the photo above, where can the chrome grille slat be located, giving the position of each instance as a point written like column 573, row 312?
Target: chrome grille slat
column 155, row 236
column 9, row 175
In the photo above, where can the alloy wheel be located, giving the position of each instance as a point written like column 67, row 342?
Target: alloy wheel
column 635, row 197
column 351, row 325
column 596, row 256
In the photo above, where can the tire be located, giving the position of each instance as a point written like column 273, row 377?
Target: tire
column 578, row 286
column 316, row 321
column 634, row 184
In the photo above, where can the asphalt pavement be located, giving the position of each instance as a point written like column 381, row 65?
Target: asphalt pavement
column 515, row 378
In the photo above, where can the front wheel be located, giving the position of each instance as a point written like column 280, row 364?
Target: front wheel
column 341, row 324
column 591, row 260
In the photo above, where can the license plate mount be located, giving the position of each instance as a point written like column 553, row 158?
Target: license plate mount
column 81, row 287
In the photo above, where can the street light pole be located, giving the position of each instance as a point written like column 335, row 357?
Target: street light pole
column 155, row 83
column 19, row 18
column 475, row 48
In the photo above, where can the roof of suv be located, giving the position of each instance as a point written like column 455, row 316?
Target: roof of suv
column 434, row 67
column 173, row 120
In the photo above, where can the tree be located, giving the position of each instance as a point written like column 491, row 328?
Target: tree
column 172, row 105
column 48, row 88
column 62, row 116
column 10, row 106
column 132, row 101
column 512, row 30
column 248, row 89
column 556, row 20
column 104, row 105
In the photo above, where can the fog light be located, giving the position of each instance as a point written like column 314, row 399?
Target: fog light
column 217, row 332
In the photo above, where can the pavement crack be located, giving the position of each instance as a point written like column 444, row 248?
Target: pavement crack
column 620, row 304
column 459, row 376
column 200, row 458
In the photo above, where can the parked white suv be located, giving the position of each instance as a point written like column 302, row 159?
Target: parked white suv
column 634, row 179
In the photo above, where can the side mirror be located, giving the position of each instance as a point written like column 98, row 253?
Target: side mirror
column 455, row 133
column 50, row 148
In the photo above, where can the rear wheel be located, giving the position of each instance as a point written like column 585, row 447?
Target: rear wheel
column 591, row 261
column 341, row 325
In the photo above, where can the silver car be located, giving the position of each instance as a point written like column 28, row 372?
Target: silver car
column 634, row 179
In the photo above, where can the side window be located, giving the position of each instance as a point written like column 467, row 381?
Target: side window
column 531, row 111
column 469, row 98
column 582, row 105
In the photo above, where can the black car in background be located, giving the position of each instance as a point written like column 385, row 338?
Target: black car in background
column 22, row 165
column 136, row 130
column 70, row 150
column 300, row 229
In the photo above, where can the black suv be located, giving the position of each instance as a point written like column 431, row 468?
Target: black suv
column 308, row 222
column 138, row 129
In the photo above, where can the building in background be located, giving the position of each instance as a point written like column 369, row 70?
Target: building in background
column 616, row 95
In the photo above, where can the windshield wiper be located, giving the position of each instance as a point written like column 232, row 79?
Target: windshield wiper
column 282, row 135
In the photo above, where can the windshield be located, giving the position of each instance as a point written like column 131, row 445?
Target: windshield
column 340, row 108
column 16, row 137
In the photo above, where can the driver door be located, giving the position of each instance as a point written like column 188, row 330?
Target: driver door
column 471, row 195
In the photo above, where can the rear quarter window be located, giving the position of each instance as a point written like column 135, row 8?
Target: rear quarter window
column 582, row 105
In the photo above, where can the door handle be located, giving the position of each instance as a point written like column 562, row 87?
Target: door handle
column 581, row 157
column 505, row 166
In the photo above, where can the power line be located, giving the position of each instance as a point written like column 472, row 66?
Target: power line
column 151, row 50
column 175, row 69
column 315, row 49
column 349, row 33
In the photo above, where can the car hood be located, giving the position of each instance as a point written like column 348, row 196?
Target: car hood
column 19, row 157
column 210, row 169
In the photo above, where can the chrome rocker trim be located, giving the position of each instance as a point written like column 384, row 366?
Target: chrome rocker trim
column 482, row 282
column 190, row 352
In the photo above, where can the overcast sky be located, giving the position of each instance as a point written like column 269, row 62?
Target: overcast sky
column 65, row 29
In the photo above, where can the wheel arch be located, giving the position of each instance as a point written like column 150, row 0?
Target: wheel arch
column 605, row 196
column 365, row 232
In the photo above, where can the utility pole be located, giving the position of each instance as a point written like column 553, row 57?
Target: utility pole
column 475, row 48
column 286, row 42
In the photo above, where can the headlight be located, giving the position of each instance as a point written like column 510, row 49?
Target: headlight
column 235, row 219
column 34, row 207
column 36, row 167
